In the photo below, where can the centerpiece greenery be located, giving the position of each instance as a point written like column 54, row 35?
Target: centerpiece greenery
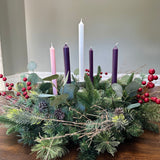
column 96, row 117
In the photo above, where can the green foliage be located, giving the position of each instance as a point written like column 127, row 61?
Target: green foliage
column 50, row 149
column 34, row 78
column 86, row 152
column 135, row 129
column 50, row 78
column 97, row 78
column 118, row 89
column 135, row 105
column 106, row 142
column 46, row 88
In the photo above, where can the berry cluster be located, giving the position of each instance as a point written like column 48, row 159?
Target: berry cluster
column 10, row 86
column 143, row 96
column 87, row 72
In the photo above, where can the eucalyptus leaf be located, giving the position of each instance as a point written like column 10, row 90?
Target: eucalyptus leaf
column 31, row 66
column 124, row 80
column 68, row 89
column 135, row 105
column 130, row 78
column 132, row 88
column 60, row 99
column 118, row 89
column 50, row 78
column 34, row 78
column 76, row 71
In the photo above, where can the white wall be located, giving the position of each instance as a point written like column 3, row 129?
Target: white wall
column 13, row 36
column 135, row 24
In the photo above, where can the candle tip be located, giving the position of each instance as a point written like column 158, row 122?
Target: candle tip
column 66, row 44
column 116, row 44
column 51, row 44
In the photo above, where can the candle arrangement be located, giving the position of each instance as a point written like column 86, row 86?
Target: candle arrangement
column 51, row 113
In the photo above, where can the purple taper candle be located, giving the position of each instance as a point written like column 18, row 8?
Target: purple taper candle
column 114, row 64
column 91, row 64
column 67, row 62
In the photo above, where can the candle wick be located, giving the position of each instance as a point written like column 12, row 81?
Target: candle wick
column 51, row 44
column 65, row 43
column 81, row 19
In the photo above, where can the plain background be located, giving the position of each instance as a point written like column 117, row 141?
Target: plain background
column 27, row 27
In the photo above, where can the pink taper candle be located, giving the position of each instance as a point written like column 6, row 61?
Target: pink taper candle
column 53, row 68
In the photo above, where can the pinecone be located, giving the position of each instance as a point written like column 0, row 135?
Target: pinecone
column 119, row 111
column 42, row 106
column 59, row 114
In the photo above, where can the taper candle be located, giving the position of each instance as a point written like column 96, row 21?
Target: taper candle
column 114, row 64
column 67, row 62
column 53, row 68
column 81, row 51
column 91, row 64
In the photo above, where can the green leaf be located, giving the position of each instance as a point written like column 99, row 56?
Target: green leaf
column 45, row 95
column 132, row 88
column 60, row 99
column 76, row 71
column 68, row 89
column 50, row 78
column 135, row 105
column 34, row 78
column 124, row 80
column 118, row 89
column 130, row 78
column 45, row 87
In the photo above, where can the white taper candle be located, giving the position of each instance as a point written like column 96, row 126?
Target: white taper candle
column 81, row 51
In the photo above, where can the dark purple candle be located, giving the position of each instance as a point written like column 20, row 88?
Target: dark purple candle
column 67, row 62
column 91, row 64
column 114, row 65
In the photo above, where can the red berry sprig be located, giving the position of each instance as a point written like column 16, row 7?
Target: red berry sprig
column 145, row 97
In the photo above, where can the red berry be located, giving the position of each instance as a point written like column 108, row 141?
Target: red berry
column 9, row 96
column 101, row 72
column 28, row 83
column 86, row 70
column 142, row 97
column 150, row 85
column 146, row 94
column 146, row 100
column 18, row 93
column 11, row 84
column 23, row 89
column 153, row 99
column 150, row 77
column 24, row 93
column 151, row 71
column 4, row 78
column 9, row 88
column 100, row 76
column 1, row 75
column 155, row 77
column 0, row 94
column 158, row 101
column 140, row 90
column 140, row 101
column 138, row 95
column 7, row 84
column 87, row 74
column 29, row 88
column 3, row 93
column 106, row 73
column 143, row 82
column 24, row 79
column 26, row 96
